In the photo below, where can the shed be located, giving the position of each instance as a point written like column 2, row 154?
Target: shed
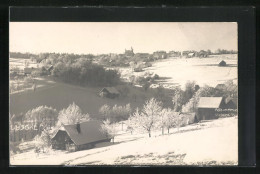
column 207, row 107
column 109, row 92
column 79, row 136
column 222, row 63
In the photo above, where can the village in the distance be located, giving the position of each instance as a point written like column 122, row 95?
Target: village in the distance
column 162, row 108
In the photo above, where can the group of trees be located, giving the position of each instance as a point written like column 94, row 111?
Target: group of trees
column 224, row 51
column 153, row 116
column 84, row 72
column 115, row 113
column 111, row 117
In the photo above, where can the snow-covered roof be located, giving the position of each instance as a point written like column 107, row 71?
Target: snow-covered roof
column 90, row 131
column 209, row 102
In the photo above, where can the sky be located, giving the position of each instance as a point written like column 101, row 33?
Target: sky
column 115, row 37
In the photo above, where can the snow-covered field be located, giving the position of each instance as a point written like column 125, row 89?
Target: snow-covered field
column 20, row 63
column 207, row 143
column 177, row 71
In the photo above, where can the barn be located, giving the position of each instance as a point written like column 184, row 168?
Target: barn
column 207, row 107
column 79, row 136
column 109, row 92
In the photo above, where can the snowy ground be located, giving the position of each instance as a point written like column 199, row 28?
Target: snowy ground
column 177, row 71
column 20, row 63
column 206, row 143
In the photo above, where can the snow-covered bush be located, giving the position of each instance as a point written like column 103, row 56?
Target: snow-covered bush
column 116, row 113
column 109, row 129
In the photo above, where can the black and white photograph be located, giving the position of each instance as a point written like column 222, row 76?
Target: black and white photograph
column 123, row 93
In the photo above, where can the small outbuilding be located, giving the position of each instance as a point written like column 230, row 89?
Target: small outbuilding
column 222, row 63
column 207, row 107
column 109, row 92
column 79, row 136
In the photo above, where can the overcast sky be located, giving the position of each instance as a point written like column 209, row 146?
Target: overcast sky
column 114, row 37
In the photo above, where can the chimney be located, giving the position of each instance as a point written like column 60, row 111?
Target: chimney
column 78, row 127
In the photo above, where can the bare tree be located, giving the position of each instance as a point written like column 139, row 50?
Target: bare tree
column 177, row 99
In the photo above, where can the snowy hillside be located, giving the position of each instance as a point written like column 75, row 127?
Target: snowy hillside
column 206, row 143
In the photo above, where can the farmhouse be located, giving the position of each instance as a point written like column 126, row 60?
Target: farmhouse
column 202, row 53
column 109, row 92
column 190, row 55
column 142, row 55
column 174, row 54
column 221, row 87
column 207, row 107
column 160, row 55
column 79, row 136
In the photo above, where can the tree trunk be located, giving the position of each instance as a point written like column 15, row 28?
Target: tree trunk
column 162, row 131
column 149, row 134
column 168, row 130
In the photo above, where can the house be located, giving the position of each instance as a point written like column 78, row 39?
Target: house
column 203, row 54
column 190, row 55
column 142, row 55
column 189, row 118
column 221, row 87
column 160, row 54
column 79, row 136
column 208, row 105
column 174, row 54
column 109, row 92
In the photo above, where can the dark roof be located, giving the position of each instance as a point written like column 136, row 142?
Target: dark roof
column 90, row 131
column 220, row 86
column 111, row 90
column 209, row 102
